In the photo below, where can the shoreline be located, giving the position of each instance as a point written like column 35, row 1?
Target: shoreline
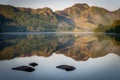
column 55, row 33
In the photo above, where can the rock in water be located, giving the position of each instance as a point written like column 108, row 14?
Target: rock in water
column 24, row 68
column 66, row 67
column 33, row 64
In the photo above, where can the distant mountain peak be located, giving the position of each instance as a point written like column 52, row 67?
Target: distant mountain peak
column 81, row 5
column 44, row 10
column 78, row 6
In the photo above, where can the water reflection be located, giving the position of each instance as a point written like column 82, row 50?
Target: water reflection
column 77, row 46
column 95, row 56
column 105, row 68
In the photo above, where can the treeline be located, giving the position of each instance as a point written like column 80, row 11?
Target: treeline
column 113, row 28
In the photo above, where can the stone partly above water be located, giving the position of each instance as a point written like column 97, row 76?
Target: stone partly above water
column 66, row 67
column 24, row 68
column 33, row 64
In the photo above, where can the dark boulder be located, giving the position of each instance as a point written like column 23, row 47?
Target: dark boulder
column 66, row 67
column 24, row 68
column 33, row 64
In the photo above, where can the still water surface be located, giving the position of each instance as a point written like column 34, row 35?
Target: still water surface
column 95, row 56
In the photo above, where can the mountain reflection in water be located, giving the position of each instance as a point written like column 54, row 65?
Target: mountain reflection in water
column 79, row 46
column 95, row 56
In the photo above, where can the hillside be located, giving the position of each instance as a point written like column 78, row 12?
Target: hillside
column 79, row 17
column 87, row 18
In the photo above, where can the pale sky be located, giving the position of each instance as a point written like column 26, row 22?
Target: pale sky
column 62, row 4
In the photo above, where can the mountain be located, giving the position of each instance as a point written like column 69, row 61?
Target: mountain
column 79, row 17
column 87, row 18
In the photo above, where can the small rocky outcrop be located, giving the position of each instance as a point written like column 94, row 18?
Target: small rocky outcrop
column 24, row 68
column 33, row 64
column 66, row 67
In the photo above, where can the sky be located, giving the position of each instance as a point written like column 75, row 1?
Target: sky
column 62, row 4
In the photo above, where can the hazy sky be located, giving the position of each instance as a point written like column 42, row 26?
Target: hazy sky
column 62, row 4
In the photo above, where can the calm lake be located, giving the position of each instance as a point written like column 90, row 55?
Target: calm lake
column 95, row 56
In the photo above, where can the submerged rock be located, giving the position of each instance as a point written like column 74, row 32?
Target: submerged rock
column 24, row 68
column 33, row 64
column 66, row 67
